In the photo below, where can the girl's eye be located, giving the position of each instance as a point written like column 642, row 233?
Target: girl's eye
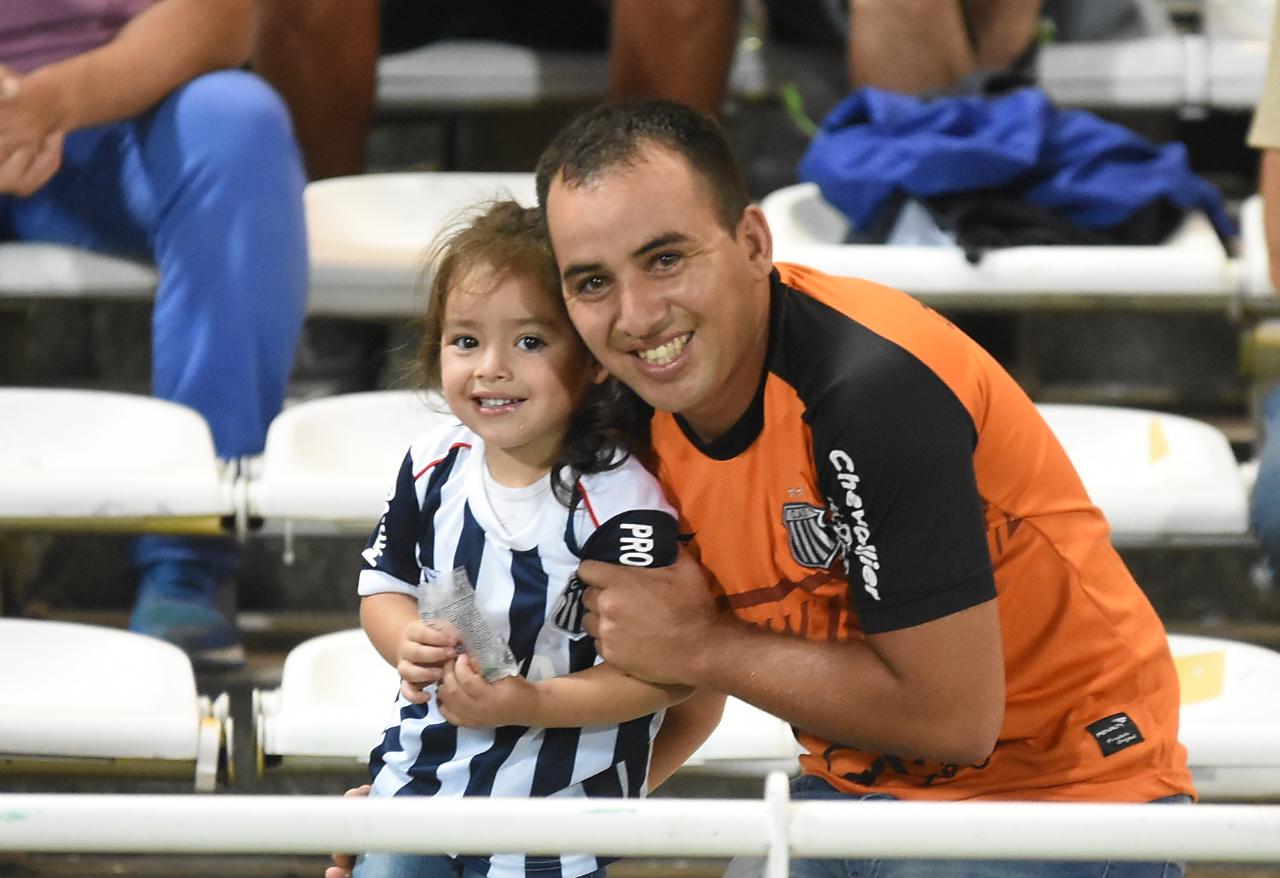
column 465, row 342
column 530, row 343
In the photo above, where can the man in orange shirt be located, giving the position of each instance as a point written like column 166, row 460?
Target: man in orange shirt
column 914, row 576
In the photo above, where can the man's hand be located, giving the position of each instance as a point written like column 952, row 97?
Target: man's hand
column 425, row 649
column 30, row 142
column 344, row 863
column 23, row 172
column 649, row 621
column 467, row 699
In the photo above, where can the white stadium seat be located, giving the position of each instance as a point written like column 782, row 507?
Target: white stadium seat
column 83, row 699
column 335, row 696
column 1157, row 477
column 34, row 270
column 335, row 693
column 329, row 462
column 1190, row 268
column 454, row 76
column 368, row 233
column 1230, row 718
column 99, row 460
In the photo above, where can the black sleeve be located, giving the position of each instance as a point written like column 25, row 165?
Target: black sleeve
column 392, row 547
column 637, row 538
column 893, row 447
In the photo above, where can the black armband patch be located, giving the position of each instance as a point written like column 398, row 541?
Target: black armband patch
column 636, row 538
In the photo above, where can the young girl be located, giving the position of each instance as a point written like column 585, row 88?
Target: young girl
column 537, row 476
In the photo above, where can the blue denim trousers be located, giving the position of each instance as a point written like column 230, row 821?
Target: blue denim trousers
column 1265, row 505
column 419, row 866
column 816, row 788
column 208, row 185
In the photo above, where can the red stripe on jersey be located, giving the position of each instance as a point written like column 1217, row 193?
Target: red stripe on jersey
column 438, row 460
column 587, row 502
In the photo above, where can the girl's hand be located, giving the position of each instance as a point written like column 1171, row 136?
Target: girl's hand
column 466, row 699
column 425, row 649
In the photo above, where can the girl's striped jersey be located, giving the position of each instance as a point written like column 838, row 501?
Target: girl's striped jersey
column 437, row 517
column 890, row 473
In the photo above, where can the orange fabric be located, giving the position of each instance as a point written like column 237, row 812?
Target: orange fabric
column 1081, row 641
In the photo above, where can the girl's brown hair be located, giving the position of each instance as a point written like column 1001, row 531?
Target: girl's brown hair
column 513, row 240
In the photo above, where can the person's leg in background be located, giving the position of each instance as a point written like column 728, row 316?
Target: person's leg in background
column 209, row 185
column 219, row 155
column 1265, row 502
column 917, row 46
column 322, row 57
column 680, row 50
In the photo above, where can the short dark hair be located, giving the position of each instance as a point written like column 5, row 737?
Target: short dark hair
column 612, row 135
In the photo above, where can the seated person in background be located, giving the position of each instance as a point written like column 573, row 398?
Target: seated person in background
column 322, row 54
column 121, row 131
column 540, row 473
column 1265, row 136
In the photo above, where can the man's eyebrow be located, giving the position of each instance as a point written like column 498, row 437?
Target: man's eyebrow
column 664, row 240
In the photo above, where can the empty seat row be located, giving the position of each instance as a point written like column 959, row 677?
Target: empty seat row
column 368, row 233
column 142, row 716
column 105, row 461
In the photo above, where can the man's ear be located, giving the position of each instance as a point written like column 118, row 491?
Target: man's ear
column 756, row 239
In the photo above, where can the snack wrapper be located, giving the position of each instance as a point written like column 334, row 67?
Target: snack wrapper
column 450, row 596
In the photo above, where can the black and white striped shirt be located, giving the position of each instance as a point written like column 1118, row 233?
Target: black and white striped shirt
column 438, row 517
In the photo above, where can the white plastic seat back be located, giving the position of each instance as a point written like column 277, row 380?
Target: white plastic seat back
column 368, row 233
column 1255, row 262
column 1151, row 71
column 37, row 270
column 334, row 699
column 471, row 75
column 97, row 457
column 1230, row 717
column 83, row 692
column 336, row 693
column 1192, row 264
column 1155, row 476
column 333, row 459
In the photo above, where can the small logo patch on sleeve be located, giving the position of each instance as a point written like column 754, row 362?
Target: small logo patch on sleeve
column 1114, row 733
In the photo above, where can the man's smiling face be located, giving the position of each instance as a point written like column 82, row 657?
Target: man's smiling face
column 669, row 300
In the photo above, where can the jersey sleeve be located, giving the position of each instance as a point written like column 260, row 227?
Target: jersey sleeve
column 624, row 518
column 893, row 448
column 389, row 561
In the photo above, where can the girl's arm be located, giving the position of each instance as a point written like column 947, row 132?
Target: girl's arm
column 416, row 649
column 601, row 695
column 684, row 728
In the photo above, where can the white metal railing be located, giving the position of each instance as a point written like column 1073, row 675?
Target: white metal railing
column 774, row 827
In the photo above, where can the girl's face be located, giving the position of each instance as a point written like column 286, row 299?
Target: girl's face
column 512, row 369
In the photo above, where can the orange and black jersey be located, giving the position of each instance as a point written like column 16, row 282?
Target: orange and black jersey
column 890, row 473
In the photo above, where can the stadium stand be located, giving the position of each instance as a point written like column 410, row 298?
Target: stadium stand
column 137, row 714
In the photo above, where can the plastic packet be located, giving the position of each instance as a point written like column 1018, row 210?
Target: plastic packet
column 450, row 596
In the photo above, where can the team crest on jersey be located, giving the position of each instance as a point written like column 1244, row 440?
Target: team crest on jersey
column 567, row 616
column 811, row 540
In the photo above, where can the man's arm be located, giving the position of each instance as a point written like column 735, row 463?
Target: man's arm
column 933, row 691
column 169, row 43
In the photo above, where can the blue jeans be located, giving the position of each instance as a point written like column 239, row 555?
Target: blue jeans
column 1265, row 505
column 809, row 787
column 418, row 866
column 207, row 184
